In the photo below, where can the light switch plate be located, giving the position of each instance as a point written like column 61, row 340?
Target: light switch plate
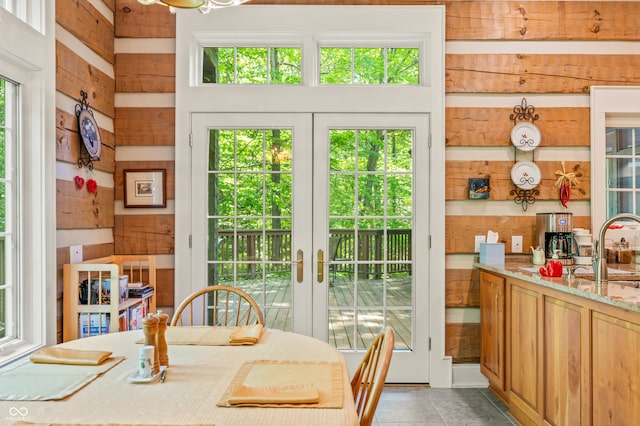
column 479, row 239
column 75, row 254
column 516, row 244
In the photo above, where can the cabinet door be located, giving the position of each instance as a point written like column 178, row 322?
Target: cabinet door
column 562, row 362
column 524, row 354
column 492, row 329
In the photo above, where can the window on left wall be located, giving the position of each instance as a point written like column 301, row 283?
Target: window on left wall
column 8, row 203
column 27, row 182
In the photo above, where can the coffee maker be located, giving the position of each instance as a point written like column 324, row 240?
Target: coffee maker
column 555, row 236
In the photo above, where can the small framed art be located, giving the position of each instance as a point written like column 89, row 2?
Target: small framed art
column 479, row 188
column 145, row 188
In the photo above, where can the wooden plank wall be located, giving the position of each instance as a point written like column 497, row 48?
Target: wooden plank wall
column 497, row 53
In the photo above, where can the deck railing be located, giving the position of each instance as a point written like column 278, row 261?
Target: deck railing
column 271, row 250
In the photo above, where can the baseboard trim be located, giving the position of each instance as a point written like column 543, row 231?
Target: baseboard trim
column 468, row 376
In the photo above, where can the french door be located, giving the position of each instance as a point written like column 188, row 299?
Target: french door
column 318, row 217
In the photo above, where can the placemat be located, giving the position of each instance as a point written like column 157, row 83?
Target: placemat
column 29, row 381
column 323, row 375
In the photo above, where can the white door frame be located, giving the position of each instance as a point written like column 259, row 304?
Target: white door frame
column 310, row 24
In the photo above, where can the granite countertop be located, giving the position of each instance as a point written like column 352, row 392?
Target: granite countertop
column 613, row 293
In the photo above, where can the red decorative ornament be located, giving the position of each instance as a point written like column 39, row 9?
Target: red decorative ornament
column 79, row 182
column 92, row 186
column 564, row 183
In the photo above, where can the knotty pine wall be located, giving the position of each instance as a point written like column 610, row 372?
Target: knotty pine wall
column 497, row 52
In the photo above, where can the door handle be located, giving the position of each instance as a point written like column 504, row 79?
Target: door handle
column 300, row 265
column 320, row 265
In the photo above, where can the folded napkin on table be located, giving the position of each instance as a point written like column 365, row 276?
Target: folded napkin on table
column 246, row 335
column 56, row 355
column 291, row 394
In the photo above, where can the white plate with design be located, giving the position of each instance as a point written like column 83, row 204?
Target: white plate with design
column 525, row 136
column 526, row 174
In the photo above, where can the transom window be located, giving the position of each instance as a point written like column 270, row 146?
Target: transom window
column 252, row 65
column 369, row 65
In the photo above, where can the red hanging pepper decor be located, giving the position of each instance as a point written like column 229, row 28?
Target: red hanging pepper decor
column 564, row 183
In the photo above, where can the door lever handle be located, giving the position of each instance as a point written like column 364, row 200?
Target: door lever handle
column 320, row 265
column 300, row 265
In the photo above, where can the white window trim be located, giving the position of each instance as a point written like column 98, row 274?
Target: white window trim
column 610, row 106
column 28, row 58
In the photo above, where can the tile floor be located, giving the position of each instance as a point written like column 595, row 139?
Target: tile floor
column 421, row 405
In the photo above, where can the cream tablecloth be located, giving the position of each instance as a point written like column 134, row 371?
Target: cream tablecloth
column 197, row 378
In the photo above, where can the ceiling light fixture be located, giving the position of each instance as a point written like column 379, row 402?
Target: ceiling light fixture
column 205, row 6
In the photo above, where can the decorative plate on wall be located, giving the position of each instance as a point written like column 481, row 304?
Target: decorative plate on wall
column 525, row 136
column 526, row 174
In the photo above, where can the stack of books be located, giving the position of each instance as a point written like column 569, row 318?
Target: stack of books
column 139, row 290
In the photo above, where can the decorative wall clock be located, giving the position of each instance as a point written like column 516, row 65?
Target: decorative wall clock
column 91, row 147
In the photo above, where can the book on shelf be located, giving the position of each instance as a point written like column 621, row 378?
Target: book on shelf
column 141, row 292
column 137, row 284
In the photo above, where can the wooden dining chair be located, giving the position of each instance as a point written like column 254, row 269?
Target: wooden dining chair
column 368, row 379
column 218, row 305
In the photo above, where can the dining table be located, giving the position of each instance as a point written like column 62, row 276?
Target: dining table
column 199, row 382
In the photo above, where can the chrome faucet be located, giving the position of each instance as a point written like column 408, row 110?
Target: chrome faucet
column 599, row 258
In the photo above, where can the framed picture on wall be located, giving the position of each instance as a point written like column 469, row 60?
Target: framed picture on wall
column 145, row 188
column 479, row 188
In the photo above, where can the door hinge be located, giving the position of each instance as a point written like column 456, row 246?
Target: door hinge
column 191, row 140
column 429, row 140
column 429, row 343
column 429, row 241
column 190, row 241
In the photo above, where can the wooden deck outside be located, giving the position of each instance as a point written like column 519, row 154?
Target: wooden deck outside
column 277, row 300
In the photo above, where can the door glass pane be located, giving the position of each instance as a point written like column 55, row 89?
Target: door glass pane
column 250, row 215
column 370, row 228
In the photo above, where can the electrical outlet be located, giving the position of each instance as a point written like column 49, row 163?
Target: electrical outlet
column 75, row 254
column 479, row 239
column 516, row 244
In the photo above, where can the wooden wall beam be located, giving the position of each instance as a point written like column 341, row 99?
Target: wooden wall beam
column 134, row 20
column 542, row 20
column 462, row 342
column 88, row 25
column 538, row 73
column 118, row 177
column 77, row 208
column 144, row 234
column 145, row 126
column 68, row 143
column 492, row 126
column 457, row 175
column 462, row 288
column 74, row 74
column 460, row 230
column 145, row 73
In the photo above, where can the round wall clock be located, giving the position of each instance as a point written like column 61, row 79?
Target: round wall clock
column 90, row 134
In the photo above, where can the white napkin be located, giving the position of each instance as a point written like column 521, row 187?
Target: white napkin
column 492, row 237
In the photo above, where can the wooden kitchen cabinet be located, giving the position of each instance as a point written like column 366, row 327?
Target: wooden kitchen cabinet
column 492, row 331
column 558, row 358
